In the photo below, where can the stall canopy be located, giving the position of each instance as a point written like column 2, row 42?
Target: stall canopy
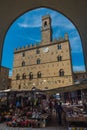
column 6, row 90
column 68, row 88
column 56, row 90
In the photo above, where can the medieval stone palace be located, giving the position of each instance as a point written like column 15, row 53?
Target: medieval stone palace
column 43, row 66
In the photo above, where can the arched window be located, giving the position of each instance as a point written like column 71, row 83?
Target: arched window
column 45, row 23
column 61, row 72
column 30, row 75
column 23, row 54
column 59, row 46
column 17, row 77
column 38, row 61
column 19, row 86
column 39, row 74
column 37, row 51
column 24, row 76
column 23, row 63
column 59, row 58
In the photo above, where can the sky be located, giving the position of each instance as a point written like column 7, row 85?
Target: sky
column 26, row 30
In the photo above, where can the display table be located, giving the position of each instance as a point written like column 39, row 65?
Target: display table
column 77, row 122
column 76, row 118
column 39, row 121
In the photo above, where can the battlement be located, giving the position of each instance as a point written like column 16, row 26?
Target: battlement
column 28, row 46
column 32, row 46
column 61, row 38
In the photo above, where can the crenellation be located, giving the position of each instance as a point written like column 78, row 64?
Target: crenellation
column 19, row 48
column 22, row 48
column 61, row 38
column 30, row 45
column 35, row 45
column 38, row 44
column 55, row 40
column 27, row 46
column 15, row 49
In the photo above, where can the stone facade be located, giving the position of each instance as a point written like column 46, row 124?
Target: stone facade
column 9, row 82
column 80, row 75
column 46, row 65
column 4, row 81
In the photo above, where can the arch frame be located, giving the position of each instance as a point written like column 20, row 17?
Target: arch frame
column 73, row 10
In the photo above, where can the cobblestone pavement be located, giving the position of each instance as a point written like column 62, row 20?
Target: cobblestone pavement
column 4, row 127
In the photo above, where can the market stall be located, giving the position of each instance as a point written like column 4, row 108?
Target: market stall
column 76, row 117
column 25, row 108
column 29, row 119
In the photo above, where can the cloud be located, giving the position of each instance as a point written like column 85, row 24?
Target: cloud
column 61, row 21
column 75, row 45
column 30, row 19
column 24, row 25
column 64, row 25
column 28, row 38
column 56, row 33
column 79, row 68
column 33, row 19
column 28, row 25
column 75, row 41
column 32, row 39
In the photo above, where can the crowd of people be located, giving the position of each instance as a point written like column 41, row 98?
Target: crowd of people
column 21, row 108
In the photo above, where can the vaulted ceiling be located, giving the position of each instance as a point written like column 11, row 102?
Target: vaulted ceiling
column 75, row 10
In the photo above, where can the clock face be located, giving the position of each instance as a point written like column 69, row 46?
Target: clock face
column 46, row 49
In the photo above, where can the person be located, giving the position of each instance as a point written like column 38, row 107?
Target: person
column 17, row 104
column 59, row 111
column 50, row 106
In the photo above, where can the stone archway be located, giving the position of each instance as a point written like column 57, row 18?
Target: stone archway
column 74, row 10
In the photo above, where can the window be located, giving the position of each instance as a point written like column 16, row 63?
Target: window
column 24, row 76
column 30, row 75
column 37, row 51
column 19, row 86
column 23, row 63
column 59, row 46
column 59, row 58
column 39, row 74
column 45, row 23
column 38, row 61
column 17, row 77
column 61, row 72
column 23, row 54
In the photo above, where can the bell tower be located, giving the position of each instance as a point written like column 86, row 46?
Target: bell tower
column 46, row 29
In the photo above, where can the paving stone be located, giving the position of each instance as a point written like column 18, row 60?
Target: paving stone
column 4, row 127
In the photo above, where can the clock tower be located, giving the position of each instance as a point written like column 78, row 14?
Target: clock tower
column 46, row 29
